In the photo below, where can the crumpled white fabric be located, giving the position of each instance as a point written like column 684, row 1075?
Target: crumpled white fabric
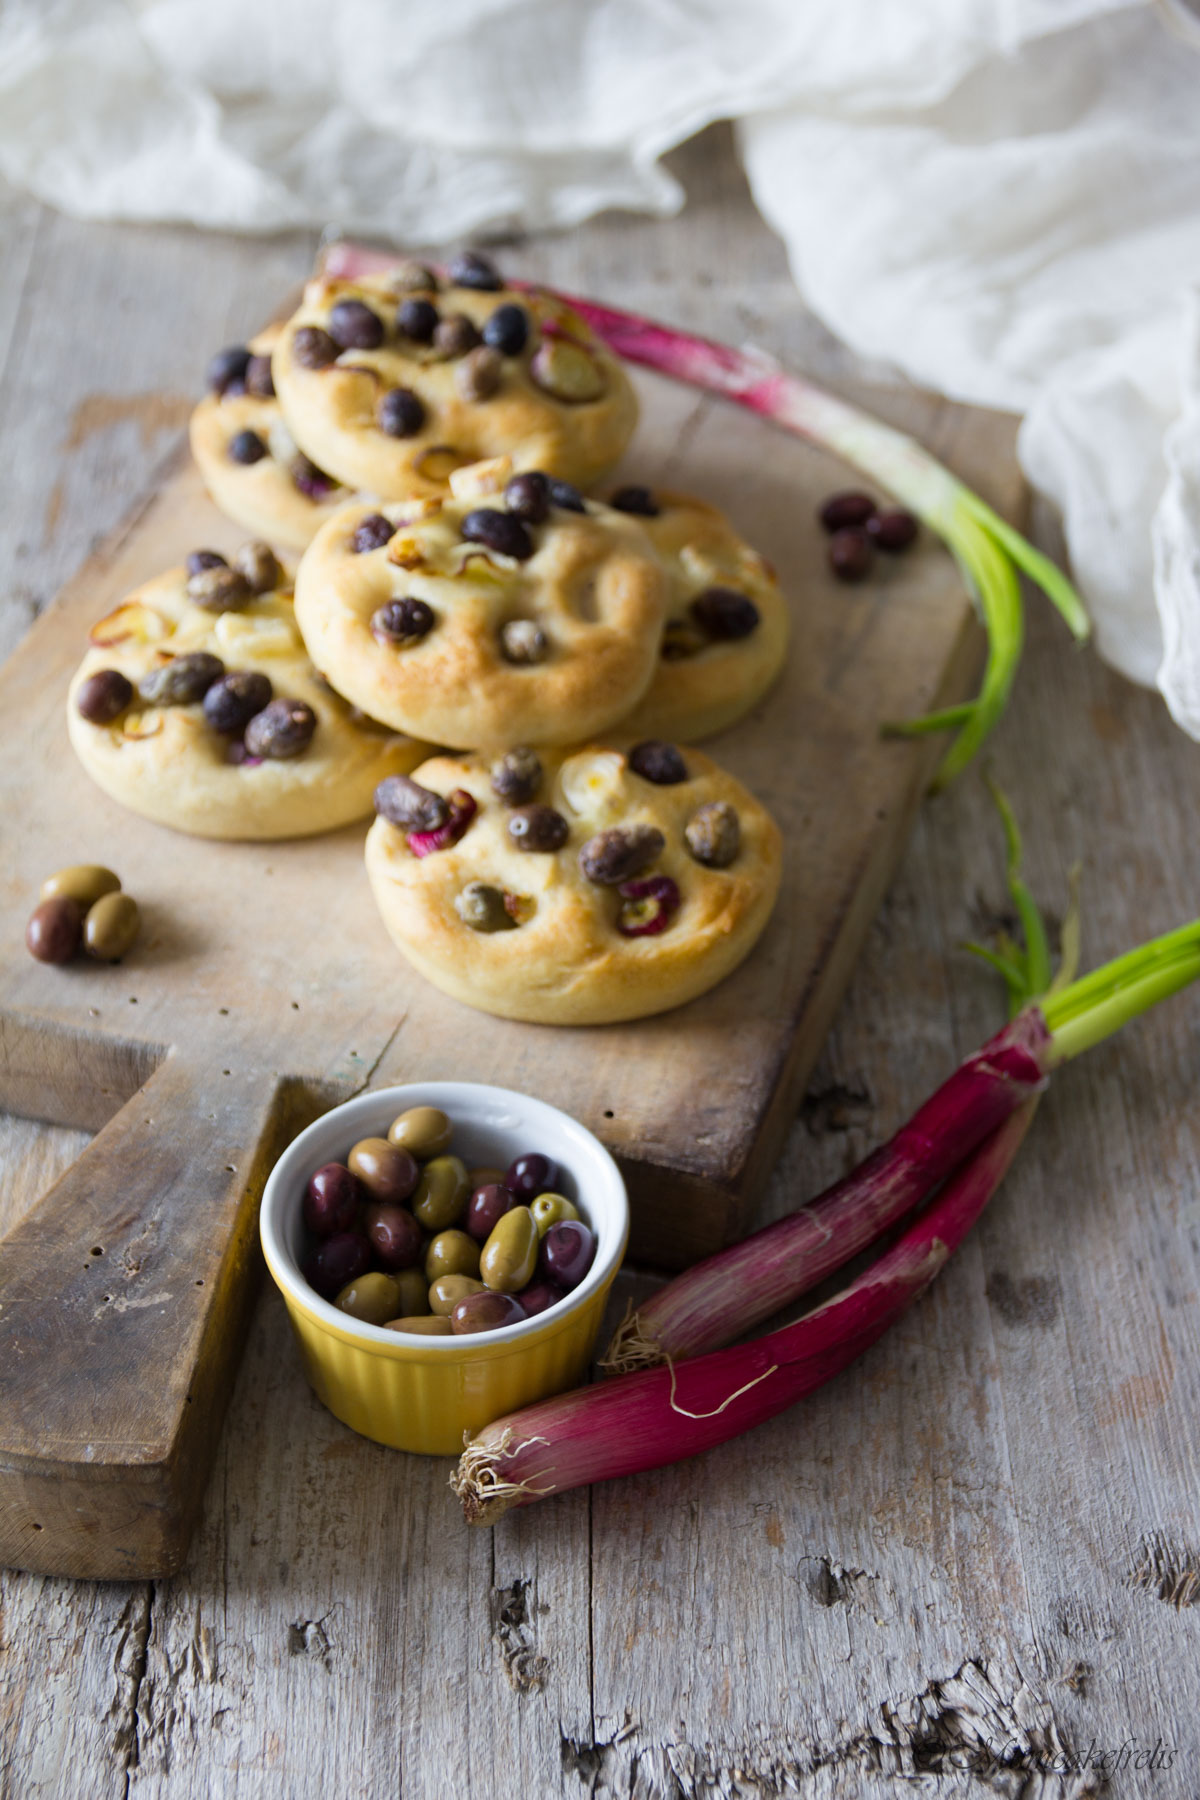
column 1000, row 198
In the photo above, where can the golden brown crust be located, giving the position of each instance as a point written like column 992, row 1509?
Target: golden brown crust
column 568, row 964
column 332, row 411
column 262, row 496
column 168, row 763
column 694, row 695
column 593, row 586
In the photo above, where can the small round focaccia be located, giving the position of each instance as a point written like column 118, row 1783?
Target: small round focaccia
column 166, row 759
column 394, row 418
column 280, row 495
column 726, row 635
column 565, row 936
column 450, row 640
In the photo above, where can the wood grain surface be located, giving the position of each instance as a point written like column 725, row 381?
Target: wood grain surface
column 970, row 1565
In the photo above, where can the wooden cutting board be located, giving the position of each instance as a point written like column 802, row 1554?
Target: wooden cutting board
column 265, row 990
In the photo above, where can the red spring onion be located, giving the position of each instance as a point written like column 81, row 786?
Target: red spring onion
column 988, row 551
column 664, row 1415
column 716, row 1301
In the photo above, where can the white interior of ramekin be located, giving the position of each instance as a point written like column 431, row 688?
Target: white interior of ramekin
column 492, row 1125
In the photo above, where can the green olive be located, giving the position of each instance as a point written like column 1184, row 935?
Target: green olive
column 423, row 1131
column 510, row 1254
column 111, row 927
column 85, row 883
column 414, row 1292
column 551, row 1209
column 441, row 1195
column 448, row 1290
column 451, row 1253
column 425, row 1325
column 373, row 1298
column 484, row 1177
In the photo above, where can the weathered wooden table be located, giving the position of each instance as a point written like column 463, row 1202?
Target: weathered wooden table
column 972, row 1562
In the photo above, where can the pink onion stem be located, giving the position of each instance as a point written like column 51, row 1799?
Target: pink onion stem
column 661, row 1416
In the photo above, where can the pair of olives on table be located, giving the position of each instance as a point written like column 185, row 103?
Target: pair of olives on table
column 82, row 908
column 405, row 1235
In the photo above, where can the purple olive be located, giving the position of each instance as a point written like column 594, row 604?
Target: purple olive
column 341, row 1258
column 566, row 1254
column 893, row 530
column 539, row 1297
column 531, row 1175
column 331, row 1200
column 55, row 929
column 486, row 1205
column 848, row 508
column 487, row 1311
column 394, row 1235
column 850, row 555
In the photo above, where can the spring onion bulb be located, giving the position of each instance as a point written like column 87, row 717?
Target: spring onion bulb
column 663, row 1415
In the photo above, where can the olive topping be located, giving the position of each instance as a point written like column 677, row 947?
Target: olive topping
column 353, row 326
column 312, row 482
column 401, row 413
column 199, row 560
column 893, row 530
column 472, row 270
column 846, row 509
column 404, row 621
column 259, row 380
column 507, row 330
column 502, row 532
column 567, row 372
column 227, row 369
column 182, row 681
column 259, row 566
column 850, row 555
column 478, row 374
column 454, row 336
column 111, row 927
column 282, row 729
column 714, row 834
column 537, row 828
column 403, row 802
column 247, row 447
column 725, row 613
column 414, row 277
column 658, row 762
column 517, row 775
column 461, row 808
column 680, row 638
column 521, row 641
column 418, row 320
column 613, row 855
column 482, row 908
column 103, row 697
column 54, row 929
column 371, row 533
column 528, row 496
column 232, row 700
column 637, row 500
column 314, row 348
column 219, row 590
column 565, row 496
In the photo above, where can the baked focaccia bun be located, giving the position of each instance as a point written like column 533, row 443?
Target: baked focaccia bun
column 573, row 887
column 514, row 610
column 198, row 706
column 726, row 634
column 252, row 466
column 392, row 380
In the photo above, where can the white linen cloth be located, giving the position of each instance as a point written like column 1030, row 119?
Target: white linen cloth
column 1001, row 198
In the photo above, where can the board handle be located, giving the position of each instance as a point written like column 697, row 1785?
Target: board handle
column 124, row 1298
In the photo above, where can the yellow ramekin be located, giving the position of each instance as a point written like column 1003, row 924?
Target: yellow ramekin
column 426, row 1393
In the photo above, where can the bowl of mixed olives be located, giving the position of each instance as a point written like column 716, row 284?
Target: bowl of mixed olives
column 445, row 1251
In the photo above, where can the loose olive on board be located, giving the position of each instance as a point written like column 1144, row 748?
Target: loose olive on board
column 54, row 930
column 446, row 1292
column 510, row 1254
column 85, row 883
column 111, row 927
column 423, row 1131
column 386, row 1172
column 373, row 1298
column 551, row 1209
column 441, row 1194
column 451, row 1253
column 428, row 1325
